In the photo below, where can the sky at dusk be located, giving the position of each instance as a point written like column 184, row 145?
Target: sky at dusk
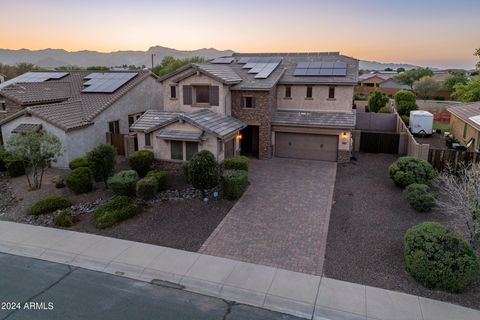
column 425, row 32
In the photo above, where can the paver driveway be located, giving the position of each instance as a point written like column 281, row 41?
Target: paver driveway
column 282, row 219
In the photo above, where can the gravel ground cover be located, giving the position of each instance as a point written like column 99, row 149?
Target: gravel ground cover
column 367, row 225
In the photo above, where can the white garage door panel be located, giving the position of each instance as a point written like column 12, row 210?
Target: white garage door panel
column 306, row 146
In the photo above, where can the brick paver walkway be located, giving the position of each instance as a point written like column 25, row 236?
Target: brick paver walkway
column 282, row 219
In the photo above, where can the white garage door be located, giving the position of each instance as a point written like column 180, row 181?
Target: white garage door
column 306, row 146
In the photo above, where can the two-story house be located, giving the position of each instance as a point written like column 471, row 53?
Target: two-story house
column 294, row 105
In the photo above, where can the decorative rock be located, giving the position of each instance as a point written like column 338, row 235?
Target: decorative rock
column 57, row 179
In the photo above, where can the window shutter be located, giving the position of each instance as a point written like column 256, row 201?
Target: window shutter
column 187, row 95
column 214, row 96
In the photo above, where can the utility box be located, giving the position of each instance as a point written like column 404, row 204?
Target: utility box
column 421, row 123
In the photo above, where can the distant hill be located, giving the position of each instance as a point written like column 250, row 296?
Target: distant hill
column 51, row 58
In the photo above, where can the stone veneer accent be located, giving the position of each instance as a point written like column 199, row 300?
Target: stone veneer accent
column 343, row 156
column 261, row 115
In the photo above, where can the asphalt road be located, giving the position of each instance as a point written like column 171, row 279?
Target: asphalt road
column 36, row 289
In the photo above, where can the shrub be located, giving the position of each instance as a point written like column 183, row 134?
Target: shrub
column 79, row 180
column 80, row 162
column 3, row 158
column 141, row 161
column 185, row 169
column 160, row 176
column 384, row 110
column 408, row 170
column 234, row 183
column 236, row 163
column 124, row 183
column 406, row 101
column 64, row 219
column 60, row 184
column 117, row 209
column 420, row 197
column 147, row 187
column 49, row 204
column 203, row 170
column 376, row 101
column 438, row 260
column 101, row 160
column 15, row 167
column 405, row 119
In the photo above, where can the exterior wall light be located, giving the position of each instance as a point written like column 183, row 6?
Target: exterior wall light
column 238, row 137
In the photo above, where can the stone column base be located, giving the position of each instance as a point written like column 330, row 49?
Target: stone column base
column 343, row 156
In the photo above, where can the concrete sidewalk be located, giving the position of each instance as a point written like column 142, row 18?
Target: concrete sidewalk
column 299, row 294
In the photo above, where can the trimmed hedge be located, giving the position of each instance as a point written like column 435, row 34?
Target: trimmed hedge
column 64, row 219
column 80, row 162
column 408, row 170
column 437, row 259
column 49, row 204
column 420, row 197
column 236, row 163
column 203, row 170
column 117, row 209
column 384, row 110
column 147, row 187
column 185, row 170
column 141, row 161
column 80, row 180
column 234, row 183
column 124, row 183
column 161, row 177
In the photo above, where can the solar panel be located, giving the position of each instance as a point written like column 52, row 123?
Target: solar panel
column 107, row 82
column 300, row 72
column 265, row 72
column 326, row 72
column 243, row 60
column 257, row 68
column 339, row 72
column 340, row 65
column 34, row 77
column 262, row 66
column 321, row 68
column 223, row 60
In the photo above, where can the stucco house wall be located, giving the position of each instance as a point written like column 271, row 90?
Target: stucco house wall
column 319, row 102
column 10, row 107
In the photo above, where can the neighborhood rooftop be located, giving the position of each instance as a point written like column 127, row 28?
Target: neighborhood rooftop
column 469, row 113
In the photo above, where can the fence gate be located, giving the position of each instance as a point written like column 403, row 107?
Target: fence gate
column 379, row 142
column 117, row 142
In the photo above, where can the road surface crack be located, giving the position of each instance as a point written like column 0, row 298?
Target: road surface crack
column 230, row 304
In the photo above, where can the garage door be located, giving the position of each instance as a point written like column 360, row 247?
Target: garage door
column 306, row 146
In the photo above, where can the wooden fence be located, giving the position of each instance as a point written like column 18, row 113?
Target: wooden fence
column 442, row 159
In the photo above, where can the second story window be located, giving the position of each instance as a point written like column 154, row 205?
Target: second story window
column 3, row 106
column 331, row 93
column 202, row 94
column 249, row 102
column 288, row 92
column 309, row 93
column 173, row 92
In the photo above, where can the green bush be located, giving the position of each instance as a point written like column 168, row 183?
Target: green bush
column 101, row 160
column 203, row 170
column 64, row 219
column 384, row 110
column 124, row 183
column 160, row 176
column 437, row 259
column 80, row 162
column 236, row 163
column 406, row 101
column 147, row 187
column 420, row 197
column 408, row 170
column 141, row 161
column 3, row 159
column 80, row 180
column 234, row 183
column 60, row 184
column 117, row 209
column 185, row 170
column 15, row 167
column 49, row 204
column 405, row 119
column 376, row 101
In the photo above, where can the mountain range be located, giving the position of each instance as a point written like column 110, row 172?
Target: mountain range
column 51, row 58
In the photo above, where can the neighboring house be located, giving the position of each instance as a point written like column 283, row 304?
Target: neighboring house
column 465, row 124
column 2, row 78
column 383, row 82
column 83, row 109
column 293, row 105
column 373, row 80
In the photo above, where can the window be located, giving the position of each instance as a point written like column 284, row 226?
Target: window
column 173, row 92
column 288, row 92
column 465, row 131
column 331, row 93
column 249, row 102
column 132, row 118
column 148, row 137
column 309, row 92
column 3, row 106
column 202, row 94
column 114, row 127
column 190, row 149
column 176, row 149
column 478, row 141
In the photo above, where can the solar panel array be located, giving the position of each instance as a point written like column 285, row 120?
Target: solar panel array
column 106, row 82
column 223, row 60
column 321, row 69
column 262, row 66
column 34, row 77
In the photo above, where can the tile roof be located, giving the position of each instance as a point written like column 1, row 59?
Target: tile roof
column 29, row 93
column 25, row 127
column 79, row 109
column 221, row 72
column 315, row 119
column 383, row 76
column 179, row 135
column 467, row 111
column 216, row 124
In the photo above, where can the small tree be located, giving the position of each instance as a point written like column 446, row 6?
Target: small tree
column 406, row 101
column 101, row 161
column 453, row 79
column 400, row 69
column 37, row 149
column 459, row 194
column 410, row 76
column 426, row 87
column 376, row 101
column 469, row 92
column 203, row 171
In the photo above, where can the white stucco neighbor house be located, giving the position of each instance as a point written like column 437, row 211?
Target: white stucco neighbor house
column 83, row 109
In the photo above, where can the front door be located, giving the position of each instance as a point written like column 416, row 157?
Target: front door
column 250, row 141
